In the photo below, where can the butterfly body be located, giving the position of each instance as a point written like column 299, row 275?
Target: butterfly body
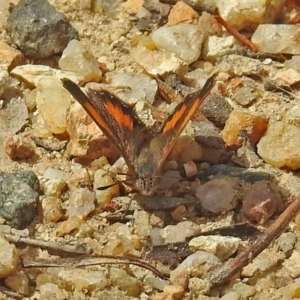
column 144, row 150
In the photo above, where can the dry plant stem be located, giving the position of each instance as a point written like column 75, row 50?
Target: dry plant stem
column 94, row 260
column 75, row 249
column 222, row 275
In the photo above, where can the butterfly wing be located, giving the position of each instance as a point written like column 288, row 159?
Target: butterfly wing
column 115, row 118
column 176, row 122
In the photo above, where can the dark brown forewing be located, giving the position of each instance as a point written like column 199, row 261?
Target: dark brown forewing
column 115, row 118
column 176, row 122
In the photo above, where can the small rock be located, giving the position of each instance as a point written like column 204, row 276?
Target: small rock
column 173, row 291
column 81, row 202
column 293, row 63
column 279, row 147
column 86, row 139
column 254, row 124
column 217, row 195
column 124, row 282
column 262, row 201
column 245, row 95
column 292, row 264
column 243, row 66
column 52, row 210
column 267, row 260
column 197, row 264
column 241, row 15
column 217, row 116
column 17, row 147
column 286, row 77
column 142, row 222
column 159, row 62
column 18, row 198
column 8, row 256
column 32, row 74
column 83, row 280
column 53, row 187
column 182, row 13
column 18, row 282
column 135, row 87
column 185, row 150
column 231, row 296
column 102, row 179
column 179, row 232
column 286, row 242
column 52, row 291
column 199, row 287
column 221, row 246
column 40, row 129
column 65, row 227
column 244, row 290
column 53, row 103
column 133, row 6
column 291, row 291
column 78, row 59
column 184, row 40
column 9, row 56
column 277, row 38
column 216, row 47
column 38, row 29
column 190, row 169
column 207, row 134
column 53, row 173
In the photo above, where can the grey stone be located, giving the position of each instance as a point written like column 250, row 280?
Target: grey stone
column 18, row 198
column 38, row 29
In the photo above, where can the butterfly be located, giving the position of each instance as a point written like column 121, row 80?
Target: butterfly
column 144, row 150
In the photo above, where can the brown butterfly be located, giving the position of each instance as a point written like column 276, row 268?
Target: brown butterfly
column 144, row 150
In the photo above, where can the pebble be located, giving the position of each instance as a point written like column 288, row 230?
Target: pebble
column 221, row 246
column 53, row 173
column 179, row 232
column 102, row 178
column 19, row 283
column 277, row 38
column 262, row 201
column 40, row 128
column 142, row 222
column 182, row 13
column 249, row 14
column 32, row 74
column 78, row 59
column 86, row 139
column 53, row 187
column 135, row 87
column 292, row 264
column 217, row 195
column 231, row 296
column 217, row 116
column 53, row 103
column 286, row 77
column 291, row 291
column 38, row 29
column 52, row 210
column 293, row 63
column 52, row 291
column 158, row 63
column 81, row 202
column 124, row 282
column 254, row 124
column 18, row 147
column 18, row 198
column 9, row 56
column 279, row 147
column 71, row 224
column 9, row 258
column 216, row 47
column 242, row 65
column 197, row 264
column 184, row 40
column 83, row 280
column 13, row 117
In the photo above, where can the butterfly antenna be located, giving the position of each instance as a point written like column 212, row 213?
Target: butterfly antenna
column 105, row 187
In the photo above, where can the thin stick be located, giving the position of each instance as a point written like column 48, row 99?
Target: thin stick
column 222, row 275
column 75, row 249
column 92, row 261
